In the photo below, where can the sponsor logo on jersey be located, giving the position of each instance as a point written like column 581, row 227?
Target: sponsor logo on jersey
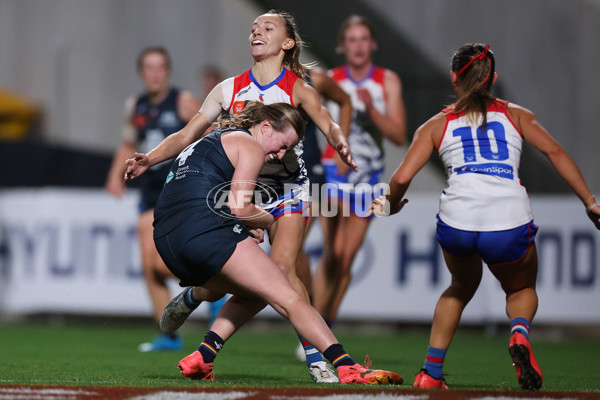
column 243, row 91
column 169, row 177
column 501, row 170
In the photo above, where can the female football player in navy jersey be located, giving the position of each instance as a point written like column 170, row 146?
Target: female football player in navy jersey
column 484, row 213
column 210, row 243
column 153, row 115
column 276, row 76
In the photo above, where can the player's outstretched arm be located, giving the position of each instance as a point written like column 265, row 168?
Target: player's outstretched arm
column 538, row 136
column 174, row 144
column 328, row 88
column 417, row 156
column 307, row 97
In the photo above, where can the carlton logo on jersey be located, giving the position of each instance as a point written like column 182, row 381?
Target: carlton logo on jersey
column 168, row 119
column 139, row 121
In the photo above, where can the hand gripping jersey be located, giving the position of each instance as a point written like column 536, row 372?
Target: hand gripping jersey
column 244, row 88
column 365, row 140
column 483, row 191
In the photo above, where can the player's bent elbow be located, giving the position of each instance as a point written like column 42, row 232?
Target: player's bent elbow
column 556, row 153
column 401, row 179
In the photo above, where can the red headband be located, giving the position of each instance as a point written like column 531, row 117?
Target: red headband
column 477, row 57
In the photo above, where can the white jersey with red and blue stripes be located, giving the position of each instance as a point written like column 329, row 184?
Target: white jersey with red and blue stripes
column 237, row 92
column 365, row 140
column 483, row 191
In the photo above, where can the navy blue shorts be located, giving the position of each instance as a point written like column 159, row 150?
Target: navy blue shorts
column 496, row 247
column 195, row 257
column 152, row 183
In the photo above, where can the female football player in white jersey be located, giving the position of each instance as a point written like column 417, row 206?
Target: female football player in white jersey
column 276, row 76
column 484, row 211
column 377, row 112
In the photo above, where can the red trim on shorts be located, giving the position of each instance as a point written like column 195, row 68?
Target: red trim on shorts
column 293, row 212
column 526, row 251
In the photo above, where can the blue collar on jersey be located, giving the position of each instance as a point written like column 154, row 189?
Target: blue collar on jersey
column 280, row 77
column 358, row 83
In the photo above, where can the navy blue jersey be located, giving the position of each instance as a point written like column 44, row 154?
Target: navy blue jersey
column 154, row 122
column 194, row 230
column 196, row 173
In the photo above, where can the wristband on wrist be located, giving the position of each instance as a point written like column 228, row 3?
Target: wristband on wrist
column 589, row 208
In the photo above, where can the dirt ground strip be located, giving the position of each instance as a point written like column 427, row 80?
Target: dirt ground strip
column 16, row 392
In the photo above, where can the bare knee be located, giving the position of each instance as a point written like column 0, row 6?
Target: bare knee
column 284, row 304
column 461, row 291
column 511, row 290
column 286, row 266
column 330, row 267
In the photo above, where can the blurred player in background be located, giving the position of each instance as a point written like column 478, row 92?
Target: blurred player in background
column 378, row 112
column 276, row 76
column 210, row 76
column 150, row 117
column 485, row 213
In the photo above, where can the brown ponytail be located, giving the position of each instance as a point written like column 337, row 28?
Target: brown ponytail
column 474, row 65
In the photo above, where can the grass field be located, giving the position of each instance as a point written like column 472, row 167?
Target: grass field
column 105, row 354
